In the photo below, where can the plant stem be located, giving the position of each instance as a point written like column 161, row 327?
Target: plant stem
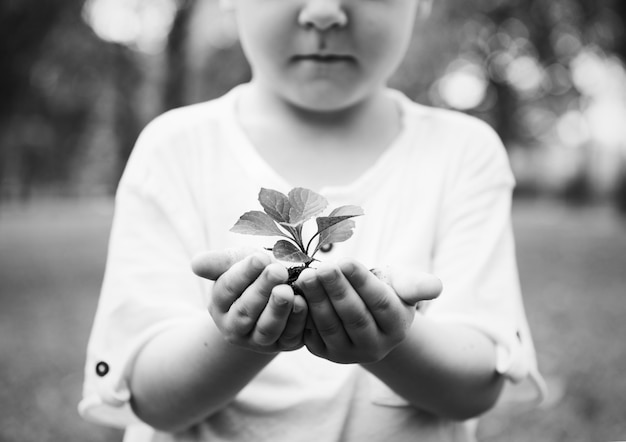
column 298, row 231
column 309, row 245
column 296, row 236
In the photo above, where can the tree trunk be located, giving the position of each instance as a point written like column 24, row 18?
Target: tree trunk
column 177, row 62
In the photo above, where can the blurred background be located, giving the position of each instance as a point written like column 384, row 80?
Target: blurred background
column 79, row 79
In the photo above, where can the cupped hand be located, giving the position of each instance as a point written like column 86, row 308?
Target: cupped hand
column 250, row 302
column 356, row 316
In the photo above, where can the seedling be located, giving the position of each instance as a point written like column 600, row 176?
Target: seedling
column 284, row 216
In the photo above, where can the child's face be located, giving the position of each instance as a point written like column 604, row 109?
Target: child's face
column 324, row 55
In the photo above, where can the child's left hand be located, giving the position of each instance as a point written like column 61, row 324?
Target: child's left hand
column 357, row 317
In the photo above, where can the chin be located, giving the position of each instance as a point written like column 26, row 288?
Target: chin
column 326, row 101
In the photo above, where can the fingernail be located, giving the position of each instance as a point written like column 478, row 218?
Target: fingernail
column 279, row 300
column 307, row 280
column 257, row 262
column 298, row 308
column 347, row 267
column 381, row 273
column 329, row 275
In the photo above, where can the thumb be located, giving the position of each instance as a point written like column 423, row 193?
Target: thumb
column 411, row 286
column 211, row 264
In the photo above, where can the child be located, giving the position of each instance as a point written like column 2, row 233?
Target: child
column 236, row 355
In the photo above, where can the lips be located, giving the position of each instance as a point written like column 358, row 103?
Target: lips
column 324, row 58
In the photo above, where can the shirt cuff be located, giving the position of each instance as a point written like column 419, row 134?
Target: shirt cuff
column 515, row 353
column 106, row 393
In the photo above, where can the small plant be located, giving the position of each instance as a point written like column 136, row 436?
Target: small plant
column 284, row 216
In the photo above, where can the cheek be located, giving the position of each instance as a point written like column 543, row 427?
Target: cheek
column 259, row 33
column 258, row 43
column 385, row 44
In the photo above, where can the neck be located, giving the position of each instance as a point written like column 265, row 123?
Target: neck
column 298, row 143
column 265, row 104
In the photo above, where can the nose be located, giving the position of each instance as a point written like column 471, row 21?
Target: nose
column 322, row 14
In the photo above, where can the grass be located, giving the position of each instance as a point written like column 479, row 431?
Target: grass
column 51, row 261
column 573, row 269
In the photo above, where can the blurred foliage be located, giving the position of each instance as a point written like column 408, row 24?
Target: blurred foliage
column 509, row 38
column 543, row 63
column 177, row 55
column 55, row 72
column 72, row 104
column 619, row 195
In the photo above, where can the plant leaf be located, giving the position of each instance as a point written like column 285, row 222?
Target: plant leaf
column 275, row 204
column 347, row 211
column 287, row 251
column 256, row 222
column 336, row 216
column 305, row 204
column 337, row 232
column 295, row 232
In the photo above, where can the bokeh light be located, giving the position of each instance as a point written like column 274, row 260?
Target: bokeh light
column 141, row 24
column 464, row 85
column 572, row 129
column 525, row 74
column 601, row 80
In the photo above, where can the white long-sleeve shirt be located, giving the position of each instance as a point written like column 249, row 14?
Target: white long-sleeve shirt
column 437, row 200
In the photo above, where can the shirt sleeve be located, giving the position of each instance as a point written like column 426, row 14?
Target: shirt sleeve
column 475, row 258
column 148, row 285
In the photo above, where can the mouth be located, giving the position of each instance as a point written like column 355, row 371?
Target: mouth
column 325, row 58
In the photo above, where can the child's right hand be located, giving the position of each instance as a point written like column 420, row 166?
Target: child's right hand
column 250, row 302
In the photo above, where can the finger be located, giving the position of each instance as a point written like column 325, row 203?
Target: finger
column 413, row 287
column 246, row 310
column 213, row 263
column 294, row 329
column 314, row 342
column 321, row 311
column 273, row 319
column 379, row 298
column 356, row 319
column 230, row 286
